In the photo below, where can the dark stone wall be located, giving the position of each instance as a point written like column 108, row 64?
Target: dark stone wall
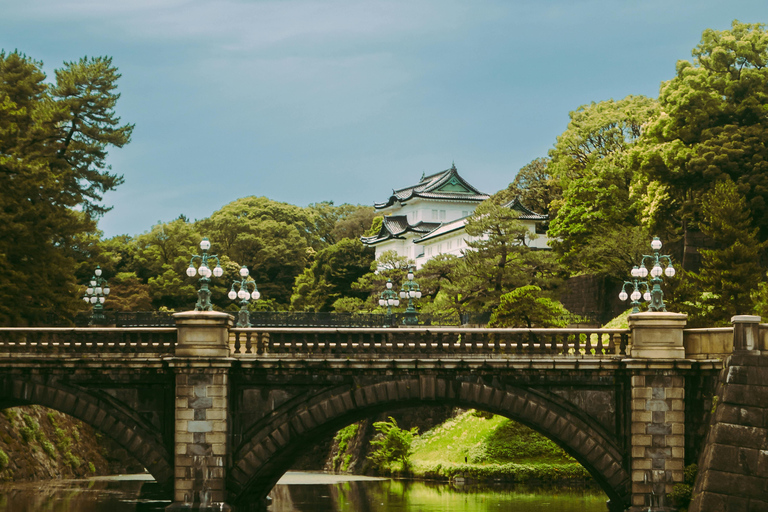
column 593, row 297
column 733, row 468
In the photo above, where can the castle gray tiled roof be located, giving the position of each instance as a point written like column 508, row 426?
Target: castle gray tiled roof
column 445, row 185
column 395, row 226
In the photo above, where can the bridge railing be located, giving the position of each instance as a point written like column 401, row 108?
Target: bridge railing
column 91, row 340
column 324, row 342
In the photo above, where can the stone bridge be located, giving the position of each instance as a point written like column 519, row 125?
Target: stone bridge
column 218, row 414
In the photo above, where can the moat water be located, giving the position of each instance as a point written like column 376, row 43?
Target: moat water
column 306, row 492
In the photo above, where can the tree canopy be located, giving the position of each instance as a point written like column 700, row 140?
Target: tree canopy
column 54, row 142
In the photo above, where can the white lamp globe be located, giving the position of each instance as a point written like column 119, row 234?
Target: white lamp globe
column 89, row 290
column 203, row 271
column 86, row 299
column 670, row 271
column 656, row 271
column 389, row 285
column 642, row 271
column 101, row 300
column 205, row 244
column 255, row 295
column 106, row 290
column 655, row 244
column 623, row 295
column 412, row 293
column 418, row 294
column 94, row 299
column 391, row 302
column 243, row 271
column 97, row 290
column 93, row 282
column 382, row 302
column 97, row 272
column 397, row 302
column 635, row 295
column 242, row 294
column 410, row 276
column 647, row 296
column 635, row 272
column 402, row 295
column 232, row 295
column 191, row 271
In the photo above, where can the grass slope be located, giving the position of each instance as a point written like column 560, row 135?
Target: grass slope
column 484, row 447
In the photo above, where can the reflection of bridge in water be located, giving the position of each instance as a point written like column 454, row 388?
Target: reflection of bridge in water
column 220, row 414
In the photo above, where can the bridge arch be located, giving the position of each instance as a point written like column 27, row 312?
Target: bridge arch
column 271, row 446
column 126, row 429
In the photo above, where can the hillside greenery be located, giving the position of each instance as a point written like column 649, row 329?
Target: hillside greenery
column 483, row 447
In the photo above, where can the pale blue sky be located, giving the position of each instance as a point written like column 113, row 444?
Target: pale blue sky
column 305, row 101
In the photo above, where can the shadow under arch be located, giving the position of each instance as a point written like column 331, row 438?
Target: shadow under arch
column 270, row 447
column 130, row 432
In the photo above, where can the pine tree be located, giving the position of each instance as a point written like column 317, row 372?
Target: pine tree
column 730, row 272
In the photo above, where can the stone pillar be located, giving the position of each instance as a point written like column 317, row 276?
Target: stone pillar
column 202, row 440
column 657, row 408
column 746, row 337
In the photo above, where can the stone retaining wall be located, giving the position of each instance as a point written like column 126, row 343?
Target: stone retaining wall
column 733, row 468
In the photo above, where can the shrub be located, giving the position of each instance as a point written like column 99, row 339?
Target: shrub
column 343, row 437
column 92, row 468
column 10, row 415
column 392, row 444
column 4, row 460
column 48, row 448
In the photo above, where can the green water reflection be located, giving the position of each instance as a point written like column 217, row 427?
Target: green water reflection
column 406, row 496
column 305, row 492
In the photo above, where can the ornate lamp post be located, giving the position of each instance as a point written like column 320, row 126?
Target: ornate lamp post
column 411, row 290
column 204, row 294
column 96, row 294
column 245, row 296
column 655, row 295
column 635, row 295
column 389, row 298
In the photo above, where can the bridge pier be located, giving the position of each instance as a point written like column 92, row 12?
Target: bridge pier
column 201, row 444
column 657, row 451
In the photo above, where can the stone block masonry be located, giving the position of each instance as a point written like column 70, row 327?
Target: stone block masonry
column 658, row 436
column 733, row 467
column 202, row 430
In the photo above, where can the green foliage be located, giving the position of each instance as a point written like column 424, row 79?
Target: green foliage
column 48, row 448
column 342, row 438
column 91, row 468
column 335, row 223
column 526, row 307
column 54, row 142
column 534, row 187
column 712, row 129
column 10, row 414
column 4, row 460
column 331, row 274
column 730, row 271
column 513, row 442
column 681, row 494
column 52, row 419
column 392, row 444
column 600, row 204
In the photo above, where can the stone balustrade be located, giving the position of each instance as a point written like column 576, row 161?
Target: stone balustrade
column 92, row 340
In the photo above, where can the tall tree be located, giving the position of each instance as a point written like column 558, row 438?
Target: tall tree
column 54, row 143
column 330, row 276
column 730, row 271
column 713, row 128
column 601, row 191
column 534, row 186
